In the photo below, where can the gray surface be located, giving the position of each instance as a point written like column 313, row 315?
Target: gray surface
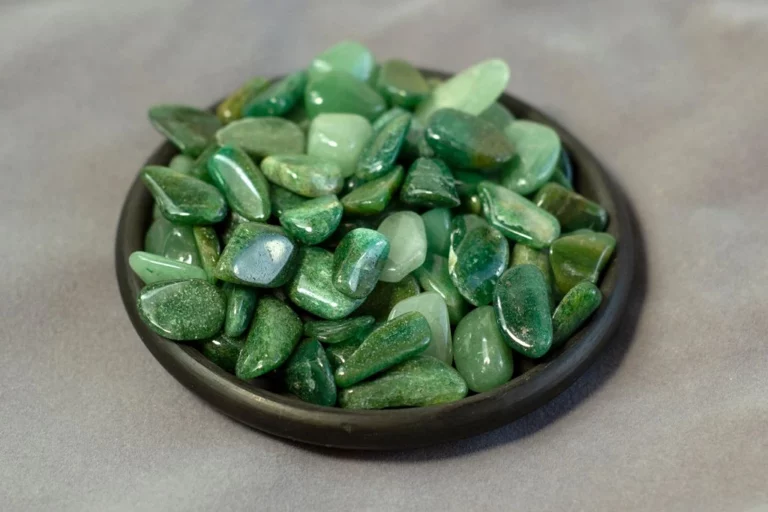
column 671, row 96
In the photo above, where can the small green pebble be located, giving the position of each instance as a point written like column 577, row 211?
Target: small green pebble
column 153, row 268
column 429, row 183
column 181, row 163
column 339, row 138
column 308, row 374
column 572, row 210
column 241, row 303
column 279, row 98
column 437, row 225
column 263, row 136
column 223, row 351
column 482, row 356
column 173, row 241
column 385, row 296
column 537, row 148
column 283, row 199
column 231, row 109
column 209, row 248
column 188, row 128
column 373, row 197
column 184, row 199
column 401, row 83
column 358, row 262
column 274, row 333
column 339, row 353
column 576, row 307
column 477, row 263
column 349, row 57
column 433, row 276
column 579, row 256
column 340, row 93
column 381, row 151
column 339, row 331
column 241, row 182
column 313, row 221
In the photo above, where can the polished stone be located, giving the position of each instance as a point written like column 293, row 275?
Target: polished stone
column 283, row 199
column 183, row 199
column 467, row 181
column 339, row 353
column 339, row 138
column 313, row 221
column 188, row 128
column 432, row 306
column 209, row 248
column 433, row 276
column 572, row 210
column 477, row 262
column 153, row 268
column 472, row 204
column 223, row 351
column 524, row 255
column 241, row 182
column 460, row 226
column 537, row 149
column 579, row 256
column 358, row 262
column 385, row 296
column 498, row 115
column 347, row 56
column 308, row 374
column 576, row 307
column 340, row 93
column 407, row 245
column 332, row 332
column 263, row 136
column 305, row 175
column 174, row 241
column 437, row 226
column 388, row 116
column 429, row 183
column 231, row 109
column 181, row 163
column 199, row 168
column 482, row 356
column 374, row 196
column 415, row 143
column 401, row 84
column 381, row 150
column 241, row 303
column 279, row 98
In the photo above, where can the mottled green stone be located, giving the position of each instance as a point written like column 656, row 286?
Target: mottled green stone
column 516, row 217
column 173, row 241
column 432, row 306
column 305, row 175
column 460, row 226
column 186, row 310
column 576, row 307
column 183, row 199
column 524, row 255
column 388, row 116
column 572, row 210
column 386, row 295
column 308, row 374
column 263, row 136
column 339, row 92
column 466, row 141
column 313, row 221
column 312, row 290
column 259, row 255
column 401, row 84
column 241, row 182
column 223, row 351
column 339, row 138
column 579, row 256
column 339, row 353
column 153, row 268
column 181, row 163
column 407, row 245
column 188, row 128
column 433, row 276
column 420, row 382
column 279, row 98
column 231, row 109
column 283, row 199
column 437, row 225
column 537, row 148
column 349, row 57
column 498, row 115
column 209, row 248
column 274, row 333
column 381, row 151
column 477, row 262
column 241, row 303
column 373, row 197
column 482, row 356
column 467, row 181
column 358, row 262
column 339, row 331
column 393, row 342
column 429, row 183
column 199, row 168
column 521, row 302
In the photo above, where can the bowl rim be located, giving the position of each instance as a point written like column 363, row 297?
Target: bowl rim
column 291, row 418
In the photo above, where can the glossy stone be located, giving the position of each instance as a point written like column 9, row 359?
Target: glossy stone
column 283, row 199
column 467, row 142
column 381, row 150
column 182, row 163
column 173, row 241
column 572, row 210
column 477, row 262
column 401, row 84
column 241, row 182
column 467, row 181
column 358, row 262
column 565, row 166
column 188, row 128
column 429, row 183
column 279, row 98
column 482, row 356
column 516, row 217
column 258, row 255
column 524, row 255
column 199, row 168
column 433, row 277
column 183, row 199
column 231, row 109
column 241, row 303
column 419, row 382
column 229, row 225
column 209, row 248
column 460, row 226
column 308, row 374
column 339, row 92
column 339, row 353
column 186, row 310
column 432, row 306
column 338, row 331
column 576, row 307
column 537, row 148
column 415, row 143
column 498, row 115
column 437, row 226
column 347, row 56
column 153, row 268
column 392, row 342
column 339, row 138
column 312, row 290
column 223, row 351
column 559, row 178
column 407, row 245
column 305, row 175
column 373, row 197
column 472, row 204
column 385, row 296
column 313, row 221
column 274, row 333
column 388, row 116
column 579, row 256
column 263, row 136
column 521, row 302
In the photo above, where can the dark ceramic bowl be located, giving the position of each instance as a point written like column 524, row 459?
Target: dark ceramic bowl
column 254, row 404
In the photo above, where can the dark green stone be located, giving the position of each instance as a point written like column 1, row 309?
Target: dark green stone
column 373, row 197
column 339, row 92
column 460, row 226
column 477, row 262
column 313, row 221
column 263, row 136
column 358, row 262
column 183, row 199
column 472, row 204
column 420, row 382
column 386, row 117
column 305, row 175
column 173, row 241
column 241, row 182
column 231, row 109
column 229, row 225
column 339, row 353
column 579, row 256
column 498, row 115
column 199, row 168
column 565, row 166
column 274, row 333
column 429, row 183
column 186, row 310
column 385, row 296
column 348, row 224
column 401, row 84
column 181, row 163
column 437, row 226
column 572, row 210
column 223, row 351
column 188, row 128
column 576, row 307
column 559, row 178
column 279, row 98
column 259, row 255
column 391, row 343
column 467, row 142
column 339, row 331
column 524, row 255
column 433, row 276
column 308, row 374
column 348, row 57
column 415, row 143
column 467, row 181
column 537, row 148
column 283, row 199
column 241, row 303
column 521, row 301
column 381, row 151
column 153, row 268
column 209, row 248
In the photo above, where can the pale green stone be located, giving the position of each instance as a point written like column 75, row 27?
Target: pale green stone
column 499, row 115
column 339, row 92
column 348, row 56
column 482, row 356
column 181, row 163
column 305, row 175
column 241, row 182
column 381, row 151
column 263, row 136
column 537, row 149
column 524, row 255
column 401, row 83
column 173, row 241
column 432, row 306
column 152, row 268
column 339, row 138
column 437, row 225
column 279, row 98
column 188, row 128
column 407, row 245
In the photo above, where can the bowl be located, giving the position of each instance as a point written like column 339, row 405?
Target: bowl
column 256, row 404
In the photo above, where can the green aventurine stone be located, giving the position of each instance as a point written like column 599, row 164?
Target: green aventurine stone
column 537, row 148
column 388, row 116
column 477, row 262
column 313, row 221
column 391, row 343
column 305, row 175
column 308, row 374
column 209, row 248
column 283, row 199
column 339, row 331
column 498, row 115
column 279, row 98
column 312, row 290
column 433, row 307
column 576, row 307
column 373, row 197
column 467, row 181
column 339, row 353
column 429, row 183
column 241, row 182
column 241, row 303
column 223, row 351
column 173, row 241
column 433, row 276
column 380, row 152
column 467, row 142
column 482, row 356
column 572, row 210
column 274, row 333
column 419, row 382
column 199, row 168
column 401, row 84
column 181, row 163
column 516, row 217
column 339, row 138
column 188, row 128
column 347, row 56
column 186, row 310
column 259, row 255
column 184, row 199
column 231, row 109
column 471, row 91
column 153, row 268
column 460, row 226
column 263, row 136
column 358, row 261
column 339, row 92
column 524, row 255
column 579, row 256
column 407, row 245
column 437, row 225
column 385, row 296
column 521, row 302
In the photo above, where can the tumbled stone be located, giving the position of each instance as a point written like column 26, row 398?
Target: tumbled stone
column 223, row 351
column 401, row 84
column 188, row 128
column 388, row 116
column 433, row 276
column 460, row 226
column 381, row 150
column 274, row 333
column 477, row 262
column 305, row 175
column 572, row 210
column 279, row 98
column 209, row 249
column 537, row 148
column 231, row 109
column 347, row 56
column 579, row 256
column 241, row 182
column 308, row 374
column 174, row 241
column 576, row 307
column 498, row 115
column 181, row 163
column 263, row 136
column 482, row 356
column 283, row 199
column 199, row 168
column 339, row 92
column 472, row 204
column 241, row 303
column 524, row 255
column 374, row 196
column 358, row 262
column 429, row 183
column 338, row 331
column 432, row 306
column 339, row 138
column 415, row 143
column 183, row 199
column 339, row 353
column 153, row 268
column 407, row 245
column 467, row 181
column 437, row 226
column 385, row 296
column 565, row 166
column 313, row 221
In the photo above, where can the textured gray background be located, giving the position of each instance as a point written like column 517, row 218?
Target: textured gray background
column 670, row 95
